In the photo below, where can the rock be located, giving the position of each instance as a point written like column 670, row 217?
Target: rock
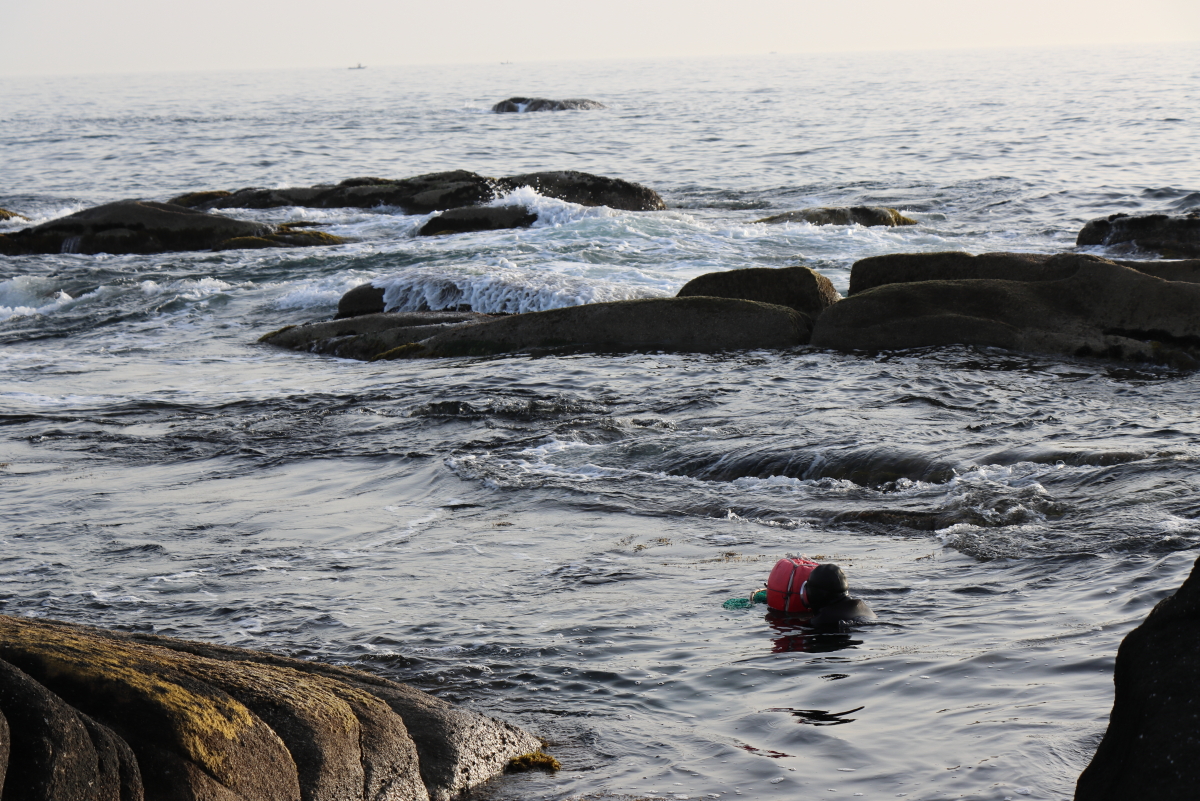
column 5, row 214
column 843, row 215
column 95, row 714
column 366, row 336
column 588, row 190
column 521, row 104
column 799, row 288
column 1172, row 236
column 1089, row 307
column 478, row 218
column 1150, row 748
column 698, row 324
column 363, row 299
column 143, row 226
column 438, row 191
column 897, row 268
column 420, row 194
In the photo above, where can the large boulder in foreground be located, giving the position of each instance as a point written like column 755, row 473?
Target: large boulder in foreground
column 438, row 191
column 842, row 215
column 1152, row 746
column 1173, row 236
column 523, row 104
column 1089, row 307
column 143, row 226
column 93, row 714
column 799, row 288
column 699, row 324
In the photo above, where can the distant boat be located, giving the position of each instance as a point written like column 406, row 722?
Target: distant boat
column 359, row 67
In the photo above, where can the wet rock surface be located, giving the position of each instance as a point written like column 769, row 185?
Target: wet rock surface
column 1076, row 305
column 842, row 215
column 439, row 191
column 1173, row 236
column 523, row 104
column 1150, row 748
column 478, row 218
column 144, row 226
column 5, row 214
column 97, row 714
column 799, row 288
column 366, row 336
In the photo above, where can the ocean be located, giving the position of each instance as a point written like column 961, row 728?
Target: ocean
column 550, row 539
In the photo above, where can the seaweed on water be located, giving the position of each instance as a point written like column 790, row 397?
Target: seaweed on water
column 534, row 760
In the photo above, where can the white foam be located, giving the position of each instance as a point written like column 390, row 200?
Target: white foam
column 28, row 295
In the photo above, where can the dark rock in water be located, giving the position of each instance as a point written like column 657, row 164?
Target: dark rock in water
column 843, row 215
column 193, row 200
column 5, row 214
column 899, row 268
column 368, row 335
column 1152, row 745
column 143, row 226
column 363, row 299
column 588, row 190
column 698, row 324
column 1090, row 307
column 799, row 288
column 478, row 218
column 1172, row 236
column 96, row 714
column 520, row 104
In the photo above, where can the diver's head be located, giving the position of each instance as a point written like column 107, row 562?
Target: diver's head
column 827, row 584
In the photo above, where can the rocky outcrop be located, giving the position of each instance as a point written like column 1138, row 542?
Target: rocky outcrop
column 843, row 215
column 363, row 299
column 1172, row 236
column 588, row 190
column 522, row 104
column 5, row 215
column 900, row 268
column 93, row 714
column 697, row 324
column 1086, row 306
column 143, row 226
column 367, row 336
column 478, row 218
column 1152, row 744
column 437, row 191
column 799, row 288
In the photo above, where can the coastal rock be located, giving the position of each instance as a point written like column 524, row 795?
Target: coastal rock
column 478, row 218
column 439, row 191
column 5, row 214
column 842, row 215
column 698, row 324
column 588, row 190
column 799, row 288
column 368, row 335
column 1150, row 748
column 522, row 104
column 143, row 226
column 1172, row 236
column 96, row 714
column 363, row 299
column 1088, row 307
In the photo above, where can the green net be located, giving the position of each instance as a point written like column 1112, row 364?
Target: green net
column 759, row 597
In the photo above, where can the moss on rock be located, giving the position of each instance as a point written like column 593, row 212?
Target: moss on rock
column 535, row 760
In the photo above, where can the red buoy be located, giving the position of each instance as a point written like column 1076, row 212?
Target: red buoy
column 785, row 586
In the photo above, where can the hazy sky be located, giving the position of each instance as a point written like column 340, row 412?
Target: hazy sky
column 85, row 36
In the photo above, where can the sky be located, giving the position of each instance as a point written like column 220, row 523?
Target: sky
column 39, row 37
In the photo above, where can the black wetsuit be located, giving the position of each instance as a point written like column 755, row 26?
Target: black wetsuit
column 840, row 613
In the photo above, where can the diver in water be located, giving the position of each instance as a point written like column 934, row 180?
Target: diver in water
column 803, row 587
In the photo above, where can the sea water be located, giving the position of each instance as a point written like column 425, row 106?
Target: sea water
column 550, row 539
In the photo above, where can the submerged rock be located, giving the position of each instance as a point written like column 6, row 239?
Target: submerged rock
column 842, row 215
column 438, row 191
column 5, row 214
column 1151, row 746
column 96, row 714
column 478, row 218
column 799, row 288
column 1076, row 305
column 143, row 226
column 522, row 104
column 1172, row 236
